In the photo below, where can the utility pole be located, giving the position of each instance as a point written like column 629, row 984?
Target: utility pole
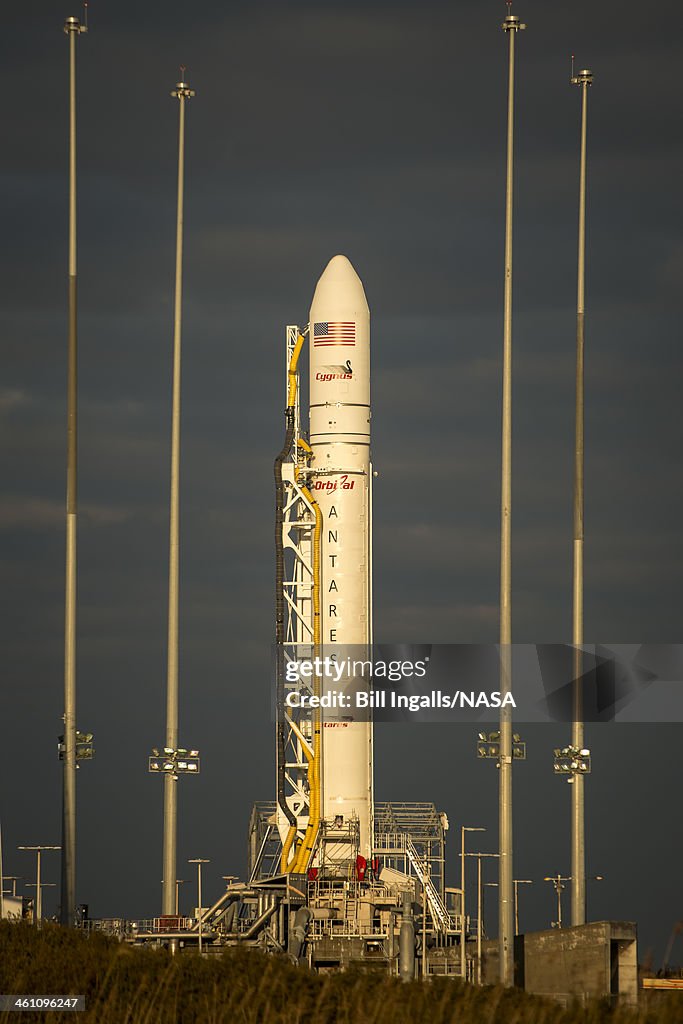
column 178, row 883
column 463, row 909
column 199, row 861
column 557, row 881
column 38, row 916
column 425, row 868
column 518, row 882
column 182, row 92
column 73, row 28
column 584, row 79
column 511, row 25
column 480, row 907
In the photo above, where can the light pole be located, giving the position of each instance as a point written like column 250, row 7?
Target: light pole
column 557, row 881
column 425, row 868
column 178, row 883
column 39, row 903
column 182, row 92
column 517, row 883
column 584, row 79
column 39, row 890
column 171, row 763
column 491, row 885
column 480, row 907
column 511, row 26
column 73, row 29
column 463, row 954
column 199, row 861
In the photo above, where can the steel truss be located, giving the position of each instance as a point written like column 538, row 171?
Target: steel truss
column 297, row 541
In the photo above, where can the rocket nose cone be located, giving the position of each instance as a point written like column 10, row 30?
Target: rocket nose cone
column 340, row 283
column 339, row 267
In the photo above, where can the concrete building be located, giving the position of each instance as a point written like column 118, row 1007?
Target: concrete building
column 590, row 961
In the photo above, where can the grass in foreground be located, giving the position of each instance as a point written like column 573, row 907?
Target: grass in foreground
column 123, row 985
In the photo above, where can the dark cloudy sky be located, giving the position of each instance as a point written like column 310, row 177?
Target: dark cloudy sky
column 375, row 129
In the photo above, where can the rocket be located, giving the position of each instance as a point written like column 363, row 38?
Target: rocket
column 339, row 390
column 323, row 579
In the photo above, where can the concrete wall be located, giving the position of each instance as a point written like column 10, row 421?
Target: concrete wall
column 13, row 908
column 590, row 961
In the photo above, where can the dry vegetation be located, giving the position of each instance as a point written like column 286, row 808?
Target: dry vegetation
column 137, row 986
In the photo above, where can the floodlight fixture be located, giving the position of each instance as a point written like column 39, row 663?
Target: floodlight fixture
column 488, row 746
column 85, row 750
column 174, row 762
column 571, row 761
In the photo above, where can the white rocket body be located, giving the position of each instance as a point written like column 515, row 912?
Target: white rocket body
column 339, row 345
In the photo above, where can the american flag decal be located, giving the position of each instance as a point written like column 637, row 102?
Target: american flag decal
column 334, row 332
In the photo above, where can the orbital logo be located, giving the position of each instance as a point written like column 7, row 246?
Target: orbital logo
column 342, row 484
column 336, row 372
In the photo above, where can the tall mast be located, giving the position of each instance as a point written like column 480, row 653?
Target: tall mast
column 506, row 924
column 578, row 859
column 182, row 92
column 73, row 28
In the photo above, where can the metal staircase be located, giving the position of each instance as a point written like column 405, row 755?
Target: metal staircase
column 443, row 920
column 400, row 843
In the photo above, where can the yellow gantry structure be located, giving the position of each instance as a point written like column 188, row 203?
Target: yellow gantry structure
column 297, row 853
